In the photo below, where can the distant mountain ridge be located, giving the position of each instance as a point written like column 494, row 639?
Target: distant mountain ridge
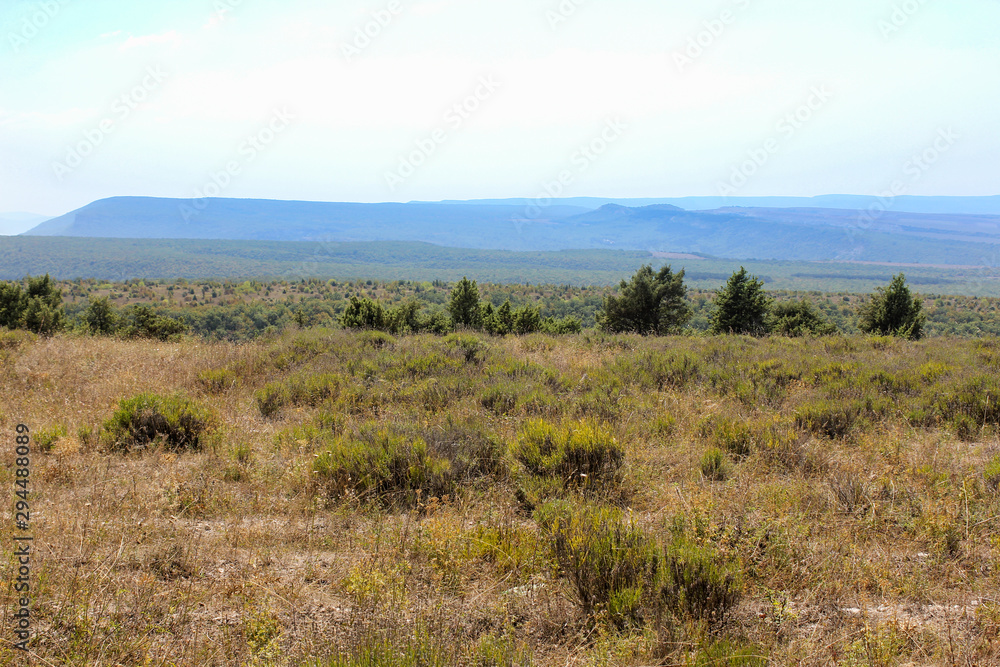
column 983, row 205
column 767, row 233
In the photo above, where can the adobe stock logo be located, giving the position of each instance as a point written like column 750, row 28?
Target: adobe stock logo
column 564, row 12
column 34, row 23
column 255, row 144
column 913, row 169
column 713, row 30
column 902, row 14
column 455, row 118
column 223, row 8
column 582, row 159
column 787, row 128
column 121, row 109
column 370, row 31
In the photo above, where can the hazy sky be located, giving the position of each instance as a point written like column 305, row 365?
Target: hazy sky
column 458, row 99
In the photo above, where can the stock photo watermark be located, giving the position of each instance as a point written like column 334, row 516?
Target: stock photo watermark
column 365, row 35
column 454, row 118
column 223, row 8
column 251, row 148
column 703, row 41
column 914, row 169
column 34, row 23
column 121, row 109
column 902, row 14
column 580, row 161
column 566, row 10
column 785, row 129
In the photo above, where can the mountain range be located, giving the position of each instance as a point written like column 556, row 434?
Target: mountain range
column 777, row 231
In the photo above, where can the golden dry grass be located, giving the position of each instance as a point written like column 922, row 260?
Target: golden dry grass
column 880, row 547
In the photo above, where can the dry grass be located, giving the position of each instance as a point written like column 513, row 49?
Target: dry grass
column 877, row 547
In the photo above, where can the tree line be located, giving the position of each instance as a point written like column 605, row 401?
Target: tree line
column 650, row 303
column 656, row 303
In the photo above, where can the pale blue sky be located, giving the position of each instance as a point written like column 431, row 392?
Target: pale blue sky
column 198, row 81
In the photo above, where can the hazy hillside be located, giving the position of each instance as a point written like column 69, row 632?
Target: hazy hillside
column 252, row 219
column 122, row 259
column 989, row 205
column 810, row 234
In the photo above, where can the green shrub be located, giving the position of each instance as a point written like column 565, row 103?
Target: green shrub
column 799, row 318
column 272, row 398
column 653, row 302
column 888, row 383
column 141, row 321
column 978, row 399
column 415, row 649
column 605, row 405
column 424, row 366
column 364, row 313
column 965, row 406
column 715, row 465
column 893, row 311
column 37, row 307
column 580, row 454
column 540, row 402
column 611, row 563
column 724, row 653
column 966, row 429
column 741, row 306
column 217, row 380
column 384, row 467
column 314, row 390
column 697, row 585
column 436, row 396
column 500, row 399
column 376, row 340
column 932, row 371
column 46, row 438
column 493, row 651
column 731, row 435
column 241, row 455
column 833, row 419
column 659, row 370
column 174, row 421
column 470, row 450
column 562, row 326
column 470, row 348
column 664, row 425
column 991, row 473
column 12, row 340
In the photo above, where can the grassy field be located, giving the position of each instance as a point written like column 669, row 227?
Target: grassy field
column 353, row 500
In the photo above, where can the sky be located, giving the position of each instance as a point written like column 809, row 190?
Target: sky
column 400, row 100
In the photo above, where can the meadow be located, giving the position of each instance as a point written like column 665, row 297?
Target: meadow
column 353, row 499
